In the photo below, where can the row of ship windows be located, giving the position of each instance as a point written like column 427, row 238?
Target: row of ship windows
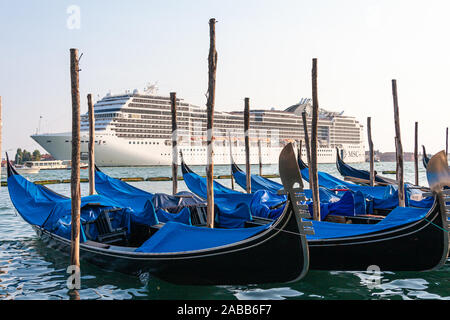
column 82, row 141
column 202, row 115
column 143, row 142
column 266, row 124
column 166, row 102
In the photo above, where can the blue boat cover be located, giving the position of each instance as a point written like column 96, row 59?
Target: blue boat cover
column 262, row 202
column 121, row 191
column 138, row 200
column 42, row 207
column 229, row 214
column 176, row 237
column 398, row 217
column 379, row 197
column 329, row 199
column 258, row 182
column 366, row 198
column 348, row 171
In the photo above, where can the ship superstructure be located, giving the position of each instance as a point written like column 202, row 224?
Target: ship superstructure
column 134, row 129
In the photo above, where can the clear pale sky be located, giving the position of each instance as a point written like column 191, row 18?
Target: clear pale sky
column 265, row 50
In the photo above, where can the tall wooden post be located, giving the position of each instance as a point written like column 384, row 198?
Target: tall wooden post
column 91, row 145
column 399, row 147
column 259, row 155
column 247, row 144
column 446, row 142
column 416, row 153
column 314, row 146
column 212, row 68
column 231, row 159
column 300, row 147
column 75, row 174
column 371, row 152
column 308, row 148
column 173, row 102
column 397, row 170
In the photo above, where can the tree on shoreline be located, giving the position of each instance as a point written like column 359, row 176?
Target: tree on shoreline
column 23, row 156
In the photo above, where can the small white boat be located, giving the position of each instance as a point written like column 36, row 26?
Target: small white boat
column 22, row 170
column 52, row 165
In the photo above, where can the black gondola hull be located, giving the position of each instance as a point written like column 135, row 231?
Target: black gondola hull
column 418, row 246
column 277, row 255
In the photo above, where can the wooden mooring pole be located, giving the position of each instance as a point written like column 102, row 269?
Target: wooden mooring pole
column 300, row 147
column 231, row 159
column 371, row 152
column 314, row 143
column 308, row 148
column 247, row 145
column 259, row 155
column 173, row 102
column 75, row 171
column 416, row 153
column 212, row 68
column 399, row 147
column 91, row 145
column 446, row 142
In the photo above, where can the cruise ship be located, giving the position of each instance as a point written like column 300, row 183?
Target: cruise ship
column 134, row 129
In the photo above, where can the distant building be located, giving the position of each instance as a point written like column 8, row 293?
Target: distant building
column 47, row 157
column 391, row 156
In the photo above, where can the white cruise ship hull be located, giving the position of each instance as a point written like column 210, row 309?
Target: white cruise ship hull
column 111, row 151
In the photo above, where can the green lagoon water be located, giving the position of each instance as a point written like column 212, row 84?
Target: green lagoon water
column 29, row 270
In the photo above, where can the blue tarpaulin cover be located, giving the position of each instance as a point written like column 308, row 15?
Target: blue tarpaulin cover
column 229, row 213
column 139, row 200
column 398, row 217
column 328, row 199
column 121, row 191
column 42, row 207
column 176, row 237
column 136, row 198
column 261, row 201
column 258, row 182
column 381, row 197
column 348, row 171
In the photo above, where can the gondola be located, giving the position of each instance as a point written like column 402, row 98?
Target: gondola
column 174, row 252
column 359, row 175
column 257, row 182
column 425, row 158
column 301, row 164
column 229, row 213
column 184, row 207
column 265, row 201
column 408, row 239
column 368, row 200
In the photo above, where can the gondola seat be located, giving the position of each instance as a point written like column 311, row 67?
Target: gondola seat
column 199, row 215
column 106, row 233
